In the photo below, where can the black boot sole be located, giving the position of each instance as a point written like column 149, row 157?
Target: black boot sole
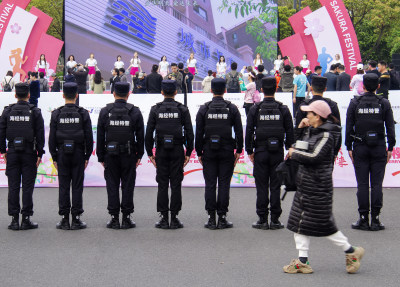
column 260, row 227
column 211, row 227
column 63, row 227
column 176, row 226
column 131, row 226
column 28, row 227
column 377, row 228
column 224, row 226
column 360, row 228
column 77, row 227
column 272, row 227
column 161, row 227
column 115, row 227
column 14, row 228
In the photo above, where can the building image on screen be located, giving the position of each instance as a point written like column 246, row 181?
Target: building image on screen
column 121, row 27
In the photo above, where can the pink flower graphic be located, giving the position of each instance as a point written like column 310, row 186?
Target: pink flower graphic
column 15, row 28
column 313, row 27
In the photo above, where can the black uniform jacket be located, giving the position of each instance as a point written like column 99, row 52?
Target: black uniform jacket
column 137, row 130
column 87, row 128
column 200, row 128
column 38, row 126
column 252, row 123
column 186, row 122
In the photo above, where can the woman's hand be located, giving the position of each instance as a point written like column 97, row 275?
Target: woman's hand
column 304, row 123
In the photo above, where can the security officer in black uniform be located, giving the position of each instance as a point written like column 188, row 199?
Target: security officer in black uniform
column 269, row 128
column 169, row 118
column 70, row 145
column 120, row 147
column 317, row 88
column 367, row 117
column 215, row 149
column 23, row 127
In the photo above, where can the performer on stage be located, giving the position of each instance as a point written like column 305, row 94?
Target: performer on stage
column 71, row 64
column 163, row 67
column 41, row 65
column 91, row 64
column 221, row 67
column 135, row 64
column 278, row 62
column 119, row 64
column 305, row 64
column 191, row 64
column 258, row 61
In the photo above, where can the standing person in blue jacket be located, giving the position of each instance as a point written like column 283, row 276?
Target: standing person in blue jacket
column 34, row 89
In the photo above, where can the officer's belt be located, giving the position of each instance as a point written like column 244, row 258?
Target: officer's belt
column 362, row 138
column 125, row 148
column 28, row 145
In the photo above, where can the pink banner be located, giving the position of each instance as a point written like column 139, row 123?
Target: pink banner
column 347, row 35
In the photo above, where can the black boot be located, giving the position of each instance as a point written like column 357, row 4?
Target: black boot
column 275, row 223
column 175, row 222
column 262, row 223
column 362, row 223
column 211, row 224
column 14, row 225
column 26, row 223
column 163, row 223
column 376, row 225
column 114, row 222
column 127, row 222
column 223, row 223
column 77, row 223
column 64, row 223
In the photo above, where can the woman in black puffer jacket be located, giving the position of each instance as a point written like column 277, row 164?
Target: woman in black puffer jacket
column 311, row 213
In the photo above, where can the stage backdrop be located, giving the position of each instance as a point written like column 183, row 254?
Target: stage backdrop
column 321, row 35
column 109, row 28
column 343, row 172
column 23, row 39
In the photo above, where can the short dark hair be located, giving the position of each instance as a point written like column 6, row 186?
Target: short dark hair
column 234, row 66
column 174, row 65
column 10, row 73
column 180, row 66
column 342, row 67
column 116, row 70
column 70, row 70
column 287, row 68
column 70, row 96
column 333, row 67
column 298, row 68
column 122, row 70
column 41, row 75
column 372, row 63
column 383, row 63
column 34, row 74
column 154, row 68
column 260, row 68
column 317, row 68
column 210, row 72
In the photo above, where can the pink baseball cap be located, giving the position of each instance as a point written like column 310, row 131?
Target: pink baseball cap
column 321, row 108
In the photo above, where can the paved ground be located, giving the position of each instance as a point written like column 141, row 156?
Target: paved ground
column 192, row 256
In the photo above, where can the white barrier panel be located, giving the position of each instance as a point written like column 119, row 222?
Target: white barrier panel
column 243, row 175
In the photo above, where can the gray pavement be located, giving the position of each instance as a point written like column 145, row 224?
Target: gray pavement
column 193, row 256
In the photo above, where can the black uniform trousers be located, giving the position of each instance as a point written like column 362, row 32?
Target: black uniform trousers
column 218, row 167
column 169, row 172
column 267, row 183
column 299, row 101
column 21, row 166
column 120, row 169
column 369, row 166
column 71, row 173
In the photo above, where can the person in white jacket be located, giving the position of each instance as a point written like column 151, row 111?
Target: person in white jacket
column 206, row 84
column 356, row 83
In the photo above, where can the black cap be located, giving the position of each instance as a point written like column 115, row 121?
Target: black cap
column 70, row 88
column 22, row 88
column 268, row 83
column 121, row 88
column 218, row 85
column 371, row 82
column 168, row 86
column 319, row 82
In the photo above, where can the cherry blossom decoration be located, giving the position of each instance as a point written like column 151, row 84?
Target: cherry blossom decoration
column 15, row 28
column 313, row 27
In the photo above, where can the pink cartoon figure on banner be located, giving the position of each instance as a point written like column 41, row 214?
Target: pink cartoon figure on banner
column 16, row 55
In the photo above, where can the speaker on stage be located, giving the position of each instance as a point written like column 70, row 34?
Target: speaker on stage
column 396, row 61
